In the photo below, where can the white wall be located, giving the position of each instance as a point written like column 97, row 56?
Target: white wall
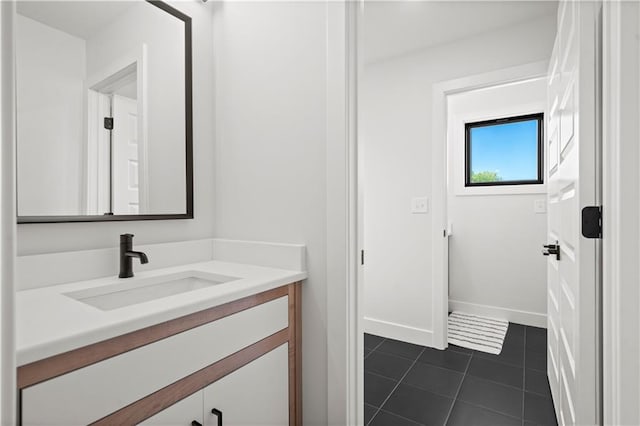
column 51, row 70
column 45, row 238
column 163, row 36
column 271, row 115
column 495, row 262
column 621, row 213
column 396, row 111
column 7, row 215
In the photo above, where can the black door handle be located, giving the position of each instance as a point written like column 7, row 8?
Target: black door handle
column 196, row 423
column 218, row 414
column 552, row 249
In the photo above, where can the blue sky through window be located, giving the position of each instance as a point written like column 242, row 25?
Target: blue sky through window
column 509, row 149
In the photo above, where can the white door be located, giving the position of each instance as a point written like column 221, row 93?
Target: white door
column 255, row 395
column 125, row 166
column 182, row 413
column 572, row 143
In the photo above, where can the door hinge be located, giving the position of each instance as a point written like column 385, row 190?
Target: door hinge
column 592, row 222
column 108, row 123
column 361, row 257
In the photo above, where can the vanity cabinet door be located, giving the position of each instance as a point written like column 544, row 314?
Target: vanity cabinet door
column 256, row 394
column 182, row 413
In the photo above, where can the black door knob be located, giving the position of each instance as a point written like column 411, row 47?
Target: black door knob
column 552, row 249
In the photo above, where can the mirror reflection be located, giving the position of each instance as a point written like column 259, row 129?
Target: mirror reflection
column 101, row 109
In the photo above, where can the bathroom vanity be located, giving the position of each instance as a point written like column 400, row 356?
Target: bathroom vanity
column 211, row 343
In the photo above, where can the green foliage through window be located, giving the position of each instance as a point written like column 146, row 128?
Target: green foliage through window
column 485, row 176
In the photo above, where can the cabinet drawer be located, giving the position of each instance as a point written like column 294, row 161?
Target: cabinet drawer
column 90, row 393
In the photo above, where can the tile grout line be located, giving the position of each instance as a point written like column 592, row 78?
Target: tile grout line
column 383, row 352
column 541, row 395
column 376, row 347
column 397, row 384
column 374, row 373
column 384, row 339
column 410, row 385
column 466, row 374
column 485, row 408
column 402, row 417
column 524, row 371
column 484, row 379
column 428, row 364
column 455, row 397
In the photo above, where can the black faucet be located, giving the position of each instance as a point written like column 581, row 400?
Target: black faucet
column 127, row 254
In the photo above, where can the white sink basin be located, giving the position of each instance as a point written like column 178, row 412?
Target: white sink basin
column 126, row 292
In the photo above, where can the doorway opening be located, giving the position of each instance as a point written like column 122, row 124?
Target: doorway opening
column 117, row 151
column 429, row 202
column 496, row 209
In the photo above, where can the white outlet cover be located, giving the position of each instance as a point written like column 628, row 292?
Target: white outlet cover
column 540, row 206
column 420, row 205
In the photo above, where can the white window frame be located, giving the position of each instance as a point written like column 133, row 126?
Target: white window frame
column 456, row 147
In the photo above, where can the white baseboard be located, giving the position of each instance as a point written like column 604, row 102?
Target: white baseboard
column 391, row 330
column 533, row 319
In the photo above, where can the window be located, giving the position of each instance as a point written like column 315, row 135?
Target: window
column 506, row 151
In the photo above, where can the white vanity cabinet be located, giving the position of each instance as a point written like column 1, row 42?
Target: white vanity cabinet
column 254, row 395
column 242, row 358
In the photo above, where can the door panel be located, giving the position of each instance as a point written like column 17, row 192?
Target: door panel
column 567, row 412
column 255, row 395
column 125, row 156
column 572, row 286
column 567, row 116
column 554, row 131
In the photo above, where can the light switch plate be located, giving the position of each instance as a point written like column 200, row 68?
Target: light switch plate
column 540, row 206
column 419, row 205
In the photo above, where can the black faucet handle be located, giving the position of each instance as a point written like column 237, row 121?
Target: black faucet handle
column 126, row 254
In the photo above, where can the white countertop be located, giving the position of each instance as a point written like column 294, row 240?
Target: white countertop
column 50, row 323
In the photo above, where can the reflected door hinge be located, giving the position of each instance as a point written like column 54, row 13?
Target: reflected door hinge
column 361, row 257
column 592, row 222
column 108, row 123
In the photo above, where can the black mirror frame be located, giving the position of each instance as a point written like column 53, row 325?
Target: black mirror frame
column 188, row 145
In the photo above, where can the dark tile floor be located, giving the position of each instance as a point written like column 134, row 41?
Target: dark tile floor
column 407, row 384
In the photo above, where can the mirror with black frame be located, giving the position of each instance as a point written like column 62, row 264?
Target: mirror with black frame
column 103, row 93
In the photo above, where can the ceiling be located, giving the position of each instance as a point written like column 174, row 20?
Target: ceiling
column 394, row 28
column 78, row 18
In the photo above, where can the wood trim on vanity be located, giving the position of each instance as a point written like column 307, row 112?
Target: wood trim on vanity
column 295, row 355
column 177, row 391
column 48, row 368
